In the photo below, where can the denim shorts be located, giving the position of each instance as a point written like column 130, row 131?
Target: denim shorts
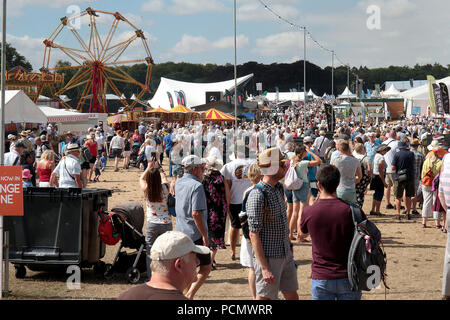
column 288, row 194
column 301, row 195
column 338, row 289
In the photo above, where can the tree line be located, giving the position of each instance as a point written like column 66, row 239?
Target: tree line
column 285, row 76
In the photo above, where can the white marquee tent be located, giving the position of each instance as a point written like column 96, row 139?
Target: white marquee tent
column 19, row 108
column 392, row 92
column 195, row 93
column 285, row 96
column 346, row 94
column 417, row 99
column 311, row 93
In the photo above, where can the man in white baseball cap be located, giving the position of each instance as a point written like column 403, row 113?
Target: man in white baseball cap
column 174, row 267
column 191, row 211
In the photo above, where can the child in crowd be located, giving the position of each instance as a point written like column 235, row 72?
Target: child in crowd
column 97, row 166
column 104, row 160
column 26, row 178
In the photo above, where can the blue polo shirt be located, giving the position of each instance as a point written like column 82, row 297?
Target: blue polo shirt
column 190, row 196
column 168, row 142
column 371, row 150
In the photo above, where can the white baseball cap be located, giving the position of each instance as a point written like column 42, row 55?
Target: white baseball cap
column 192, row 160
column 174, row 244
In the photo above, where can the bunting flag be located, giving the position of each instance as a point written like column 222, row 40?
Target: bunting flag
column 431, row 81
column 170, row 99
column 445, row 97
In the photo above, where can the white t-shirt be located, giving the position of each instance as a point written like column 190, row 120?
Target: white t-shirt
column 376, row 161
column 389, row 156
column 117, row 143
column 237, row 172
column 148, row 151
column 66, row 170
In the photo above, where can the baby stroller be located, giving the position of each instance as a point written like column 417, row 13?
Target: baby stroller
column 127, row 221
column 134, row 154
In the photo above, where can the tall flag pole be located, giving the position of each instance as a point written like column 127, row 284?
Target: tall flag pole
column 235, row 71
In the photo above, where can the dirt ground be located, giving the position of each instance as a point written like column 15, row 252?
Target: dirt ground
column 415, row 260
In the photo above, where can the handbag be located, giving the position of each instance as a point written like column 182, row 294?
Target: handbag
column 402, row 175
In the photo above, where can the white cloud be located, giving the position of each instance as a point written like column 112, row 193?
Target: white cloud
column 153, row 6
column 192, row 44
column 14, row 8
column 184, row 7
column 256, row 12
column 280, row 44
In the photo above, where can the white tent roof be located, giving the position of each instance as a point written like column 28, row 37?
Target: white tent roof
column 311, row 93
column 391, row 92
column 195, row 93
column 133, row 97
column 421, row 93
column 285, row 96
column 62, row 115
column 20, row 108
column 347, row 94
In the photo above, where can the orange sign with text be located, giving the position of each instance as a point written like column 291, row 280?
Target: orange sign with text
column 11, row 192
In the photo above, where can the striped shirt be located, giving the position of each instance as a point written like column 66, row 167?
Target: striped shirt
column 419, row 158
column 444, row 179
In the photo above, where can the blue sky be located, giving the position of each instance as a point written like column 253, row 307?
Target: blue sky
column 201, row 31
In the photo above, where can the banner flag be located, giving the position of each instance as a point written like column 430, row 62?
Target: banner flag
column 431, row 96
column 228, row 98
column 445, row 97
column 170, row 99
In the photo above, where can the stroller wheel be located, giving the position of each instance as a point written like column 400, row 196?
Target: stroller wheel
column 108, row 274
column 21, row 271
column 99, row 268
column 133, row 275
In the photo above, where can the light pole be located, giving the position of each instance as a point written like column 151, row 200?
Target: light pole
column 332, row 73
column 304, row 73
column 235, row 72
column 2, row 130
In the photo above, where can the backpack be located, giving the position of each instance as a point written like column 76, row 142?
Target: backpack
column 243, row 214
column 85, row 154
column 366, row 265
column 107, row 232
column 291, row 179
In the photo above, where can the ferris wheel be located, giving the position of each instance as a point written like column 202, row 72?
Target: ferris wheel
column 96, row 58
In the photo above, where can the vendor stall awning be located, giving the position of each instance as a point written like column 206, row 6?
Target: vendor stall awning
column 216, row 115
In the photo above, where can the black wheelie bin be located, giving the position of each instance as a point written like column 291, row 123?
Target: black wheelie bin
column 59, row 228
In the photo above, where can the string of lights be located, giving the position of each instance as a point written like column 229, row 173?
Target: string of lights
column 294, row 25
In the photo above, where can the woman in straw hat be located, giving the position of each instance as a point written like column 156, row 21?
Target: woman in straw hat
column 216, row 192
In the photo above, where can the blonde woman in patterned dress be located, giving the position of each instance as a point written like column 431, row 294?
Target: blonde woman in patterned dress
column 154, row 184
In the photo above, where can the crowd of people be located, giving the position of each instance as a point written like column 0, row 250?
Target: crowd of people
column 217, row 172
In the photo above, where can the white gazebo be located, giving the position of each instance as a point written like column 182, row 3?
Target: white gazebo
column 392, row 92
column 346, row 94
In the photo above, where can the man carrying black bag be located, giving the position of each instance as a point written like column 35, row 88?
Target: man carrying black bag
column 403, row 167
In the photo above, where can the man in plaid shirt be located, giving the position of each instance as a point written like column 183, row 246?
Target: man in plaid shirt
column 419, row 158
column 275, row 268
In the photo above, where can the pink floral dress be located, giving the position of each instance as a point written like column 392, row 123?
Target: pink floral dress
column 214, row 186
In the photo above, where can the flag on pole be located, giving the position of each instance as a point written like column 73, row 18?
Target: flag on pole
column 431, row 81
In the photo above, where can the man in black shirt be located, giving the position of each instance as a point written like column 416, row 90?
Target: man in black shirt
column 403, row 167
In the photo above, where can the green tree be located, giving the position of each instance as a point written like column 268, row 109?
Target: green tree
column 14, row 59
